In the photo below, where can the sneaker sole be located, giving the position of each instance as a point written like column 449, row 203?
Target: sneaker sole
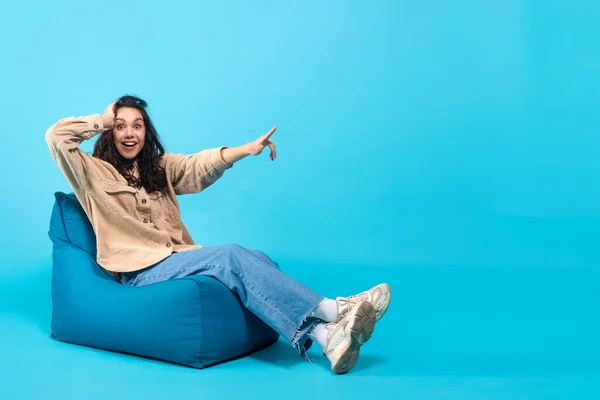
column 358, row 330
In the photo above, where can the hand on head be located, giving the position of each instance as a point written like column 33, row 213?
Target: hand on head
column 108, row 118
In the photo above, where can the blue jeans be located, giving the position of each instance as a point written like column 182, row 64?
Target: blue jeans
column 283, row 303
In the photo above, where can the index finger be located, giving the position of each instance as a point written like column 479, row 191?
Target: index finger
column 270, row 133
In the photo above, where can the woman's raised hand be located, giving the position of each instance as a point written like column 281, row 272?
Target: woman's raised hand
column 108, row 118
column 256, row 147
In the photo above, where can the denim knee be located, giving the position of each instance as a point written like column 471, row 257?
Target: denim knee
column 264, row 257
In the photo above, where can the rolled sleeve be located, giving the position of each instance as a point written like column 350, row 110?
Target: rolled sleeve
column 216, row 159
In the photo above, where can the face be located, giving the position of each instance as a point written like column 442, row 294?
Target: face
column 129, row 132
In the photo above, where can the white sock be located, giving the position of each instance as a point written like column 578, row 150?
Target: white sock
column 327, row 310
column 319, row 335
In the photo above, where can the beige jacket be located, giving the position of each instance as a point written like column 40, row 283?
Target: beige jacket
column 133, row 229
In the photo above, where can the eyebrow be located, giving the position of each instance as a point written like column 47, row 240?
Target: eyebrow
column 137, row 119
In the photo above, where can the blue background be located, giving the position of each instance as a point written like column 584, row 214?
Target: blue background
column 449, row 148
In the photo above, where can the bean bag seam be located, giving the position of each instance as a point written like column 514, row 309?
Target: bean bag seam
column 201, row 349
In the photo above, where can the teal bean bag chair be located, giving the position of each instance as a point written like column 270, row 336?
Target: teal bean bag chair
column 193, row 321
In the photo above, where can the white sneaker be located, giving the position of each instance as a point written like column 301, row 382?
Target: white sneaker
column 347, row 335
column 379, row 297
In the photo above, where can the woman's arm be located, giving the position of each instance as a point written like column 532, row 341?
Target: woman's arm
column 65, row 136
column 193, row 173
column 234, row 154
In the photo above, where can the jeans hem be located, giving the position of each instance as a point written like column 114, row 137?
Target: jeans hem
column 301, row 340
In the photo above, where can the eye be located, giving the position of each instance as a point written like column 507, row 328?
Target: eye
column 120, row 126
column 138, row 127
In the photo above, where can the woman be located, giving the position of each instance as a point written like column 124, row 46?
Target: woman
column 128, row 190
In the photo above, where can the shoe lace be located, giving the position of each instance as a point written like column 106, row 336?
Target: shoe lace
column 353, row 299
column 345, row 302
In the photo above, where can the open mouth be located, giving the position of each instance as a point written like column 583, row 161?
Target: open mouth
column 129, row 145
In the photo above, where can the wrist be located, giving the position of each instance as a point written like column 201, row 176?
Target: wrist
column 107, row 122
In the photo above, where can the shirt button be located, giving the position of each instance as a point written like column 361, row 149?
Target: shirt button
column 168, row 244
column 145, row 220
column 144, row 201
column 96, row 126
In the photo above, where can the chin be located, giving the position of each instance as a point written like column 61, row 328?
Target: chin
column 129, row 156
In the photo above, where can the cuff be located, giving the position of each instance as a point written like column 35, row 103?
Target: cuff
column 217, row 161
column 94, row 125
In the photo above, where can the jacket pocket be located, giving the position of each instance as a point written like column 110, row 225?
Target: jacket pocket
column 115, row 187
column 121, row 197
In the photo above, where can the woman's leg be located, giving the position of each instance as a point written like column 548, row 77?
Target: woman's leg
column 292, row 309
column 283, row 303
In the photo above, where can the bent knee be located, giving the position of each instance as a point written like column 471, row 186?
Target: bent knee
column 233, row 248
column 264, row 257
